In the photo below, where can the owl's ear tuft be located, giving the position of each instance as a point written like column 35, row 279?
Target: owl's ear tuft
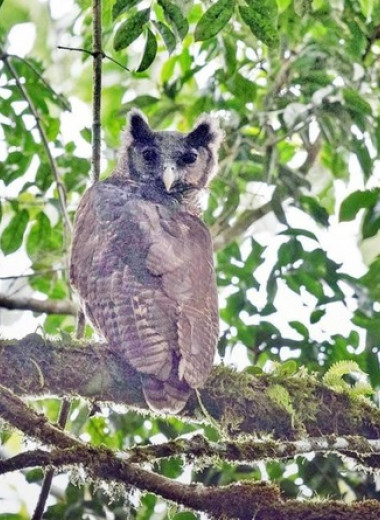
column 138, row 127
column 206, row 133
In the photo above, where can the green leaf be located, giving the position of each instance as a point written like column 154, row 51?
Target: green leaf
column 167, row 36
column 300, row 328
column 242, row 88
column 34, row 475
column 355, row 101
column 295, row 232
column 357, row 201
column 12, row 236
column 289, row 368
column 130, row 30
column 150, row 52
column 363, row 156
column 261, row 26
column 120, row 6
column 318, row 212
column 267, row 8
column 371, row 222
column 316, row 315
column 86, row 133
column 39, row 235
column 44, row 178
column 11, row 516
column 214, row 19
column 140, row 101
column 366, row 7
column 175, row 17
column 230, row 55
column 277, row 206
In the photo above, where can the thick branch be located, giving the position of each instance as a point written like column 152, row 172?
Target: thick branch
column 32, row 304
column 239, row 402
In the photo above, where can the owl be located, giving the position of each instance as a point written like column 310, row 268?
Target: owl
column 142, row 263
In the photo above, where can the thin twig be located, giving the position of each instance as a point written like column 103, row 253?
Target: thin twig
column 35, row 273
column 78, row 49
column 39, row 75
column 34, row 305
column 48, row 478
column 91, row 53
column 60, row 187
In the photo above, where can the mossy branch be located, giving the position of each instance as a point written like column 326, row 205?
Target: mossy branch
column 243, row 501
column 239, row 402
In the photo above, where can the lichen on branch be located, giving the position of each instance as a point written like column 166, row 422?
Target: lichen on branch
column 289, row 407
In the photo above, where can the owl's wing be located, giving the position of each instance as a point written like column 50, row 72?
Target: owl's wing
column 182, row 255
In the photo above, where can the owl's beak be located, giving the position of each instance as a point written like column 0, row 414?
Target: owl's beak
column 168, row 177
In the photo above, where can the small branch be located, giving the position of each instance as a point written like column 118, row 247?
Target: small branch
column 34, row 305
column 91, row 53
column 252, row 451
column 48, row 478
column 76, row 49
column 39, row 272
column 221, row 238
column 37, row 426
column 60, row 187
column 275, row 139
column 40, row 77
column 97, row 86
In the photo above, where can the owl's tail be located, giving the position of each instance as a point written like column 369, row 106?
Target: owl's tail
column 170, row 395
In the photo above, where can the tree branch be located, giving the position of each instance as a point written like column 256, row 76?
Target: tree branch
column 243, row 501
column 238, row 402
column 32, row 304
column 253, row 451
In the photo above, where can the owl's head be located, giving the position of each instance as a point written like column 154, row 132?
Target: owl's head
column 172, row 162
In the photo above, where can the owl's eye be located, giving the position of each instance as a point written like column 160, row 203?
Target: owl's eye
column 150, row 155
column 188, row 158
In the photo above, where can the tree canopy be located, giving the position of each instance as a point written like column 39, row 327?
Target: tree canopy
column 290, row 410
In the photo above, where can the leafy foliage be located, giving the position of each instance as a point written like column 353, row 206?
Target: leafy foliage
column 294, row 85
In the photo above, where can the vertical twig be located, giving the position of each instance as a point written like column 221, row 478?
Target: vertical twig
column 97, row 86
column 49, row 474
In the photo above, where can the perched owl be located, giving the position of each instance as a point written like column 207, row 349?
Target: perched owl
column 142, row 263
